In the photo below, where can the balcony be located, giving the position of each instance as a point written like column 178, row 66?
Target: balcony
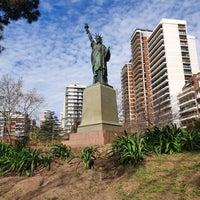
column 157, row 62
column 154, row 37
column 163, row 99
column 160, row 87
column 194, row 116
column 153, row 54
column 160, row 75
column 188, row 92
column 183, row 43
column 188, row 109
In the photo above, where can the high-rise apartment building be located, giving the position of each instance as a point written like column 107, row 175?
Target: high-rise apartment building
column 72, row 110
column 172, row 61
column 128, row 107
column 141, row 79
column 163, row 61
column 189, row 101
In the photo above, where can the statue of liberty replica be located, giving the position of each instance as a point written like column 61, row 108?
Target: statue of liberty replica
column 99, row 122
column 99, row 58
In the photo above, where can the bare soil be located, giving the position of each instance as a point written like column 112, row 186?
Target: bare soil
column 173, row 177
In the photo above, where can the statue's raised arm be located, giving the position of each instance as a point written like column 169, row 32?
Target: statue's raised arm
column 88, row 33
column 99, row 58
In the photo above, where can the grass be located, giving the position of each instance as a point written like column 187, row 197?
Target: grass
column 172, row 175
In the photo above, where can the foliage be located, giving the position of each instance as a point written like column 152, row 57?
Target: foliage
column 170, row 139
column 75, row 125
column 128, row 149
column 191, row 140
column 6, row 149
column 13, row 10
column 16, row 104
column 87, row 156
column 50, row 129
column 21, row 142
column 21, row 162
column 194, row 126
column 60, row 151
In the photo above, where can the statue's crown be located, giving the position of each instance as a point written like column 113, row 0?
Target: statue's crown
column 97, row 35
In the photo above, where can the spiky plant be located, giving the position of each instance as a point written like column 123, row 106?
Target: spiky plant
column 61, row 151
column 87, row 156
column 128, row 149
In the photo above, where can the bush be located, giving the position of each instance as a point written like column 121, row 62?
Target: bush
column 191, row 140
column 60, row 151
column 87, row 156
column 21, row 162
column 128, row 149
column 168, row 139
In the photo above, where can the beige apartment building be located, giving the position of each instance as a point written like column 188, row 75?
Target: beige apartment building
column 163, row 61
column 189, row 101
column 128, row 102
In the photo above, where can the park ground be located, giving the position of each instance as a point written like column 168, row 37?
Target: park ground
column 163, row 177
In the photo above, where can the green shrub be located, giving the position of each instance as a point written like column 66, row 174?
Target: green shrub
column 191, row 140
column 6, row 149
column 87, row 156
column 21, row 162
column 60, row 151
column 168, row 139
column 128, row 149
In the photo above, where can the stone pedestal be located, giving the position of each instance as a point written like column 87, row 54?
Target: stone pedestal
column 100, row 120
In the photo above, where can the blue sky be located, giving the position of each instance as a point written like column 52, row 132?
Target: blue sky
column 55, row 51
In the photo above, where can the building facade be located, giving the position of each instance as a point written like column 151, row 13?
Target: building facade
column 17, row 126
column 172, row 61
column 72, row 109
column 141, row 79
column 163, row 61
column 189, row 101
column 128, row 103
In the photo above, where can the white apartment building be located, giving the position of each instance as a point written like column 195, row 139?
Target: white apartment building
column 72, row 109
column 172, row 61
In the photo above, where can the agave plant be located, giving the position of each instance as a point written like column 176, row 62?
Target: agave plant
column 128, row 149
column 6, row 148
column 191, row 140
column 22, row 162
column 87, row 156
column 61, row 151
column 168, row 139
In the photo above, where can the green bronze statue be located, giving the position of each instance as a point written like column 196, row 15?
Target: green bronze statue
column 99, row 58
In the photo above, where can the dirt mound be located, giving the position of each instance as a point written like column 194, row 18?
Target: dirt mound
column 163, row 177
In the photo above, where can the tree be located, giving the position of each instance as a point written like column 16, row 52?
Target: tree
column 30, row 103
column 50, row 128
column 15, row 103
column 13, row 10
